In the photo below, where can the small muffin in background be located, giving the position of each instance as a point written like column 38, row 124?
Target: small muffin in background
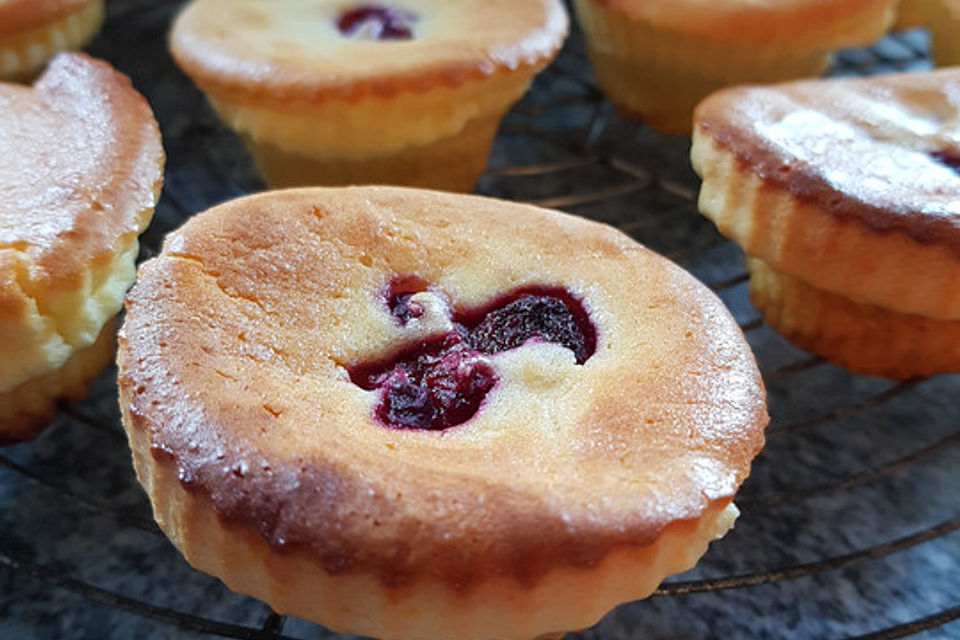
column 911, row 13
column 327, row 92
column 81, row 165
column 410, row 414
column 845, row 195
column 942, row 18
column 656, row 59
column 33, row 31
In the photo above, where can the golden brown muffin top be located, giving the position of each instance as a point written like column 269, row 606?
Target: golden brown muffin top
column 240, row 339
column 742, row 21
column 308, row 50
column 80, row 165
column 884, row 151
column 17, row 16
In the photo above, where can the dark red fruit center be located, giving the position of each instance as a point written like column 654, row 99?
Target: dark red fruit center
column 436, row 384
column 543, row 316
column 399, row 295
column 377, row 22
column 948, row 158
column 441, row 382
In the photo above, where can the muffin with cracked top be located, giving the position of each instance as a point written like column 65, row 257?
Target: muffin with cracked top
column 409, row 414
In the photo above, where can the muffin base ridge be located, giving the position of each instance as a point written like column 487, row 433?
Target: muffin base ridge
column 563, row 600
column 842, row 256
column 862, row 338
column 28, row 407
column 454, row 163
column 23, row 55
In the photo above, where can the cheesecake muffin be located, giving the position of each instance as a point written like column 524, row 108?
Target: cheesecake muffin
column 846, row 196
column 415, row 415
column 327, row 92
column 33, row 31
column 80, row 171
column 656, row 59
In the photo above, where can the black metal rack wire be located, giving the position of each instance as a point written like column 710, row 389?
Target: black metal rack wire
column 851, row 518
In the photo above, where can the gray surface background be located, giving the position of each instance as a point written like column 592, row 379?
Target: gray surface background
column 850, row 519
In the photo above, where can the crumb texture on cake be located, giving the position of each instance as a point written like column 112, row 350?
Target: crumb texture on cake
column 80, row 171
column 234, row 380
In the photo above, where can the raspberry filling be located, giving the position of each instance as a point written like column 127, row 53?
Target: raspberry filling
column 546, row 316
column 436, row 384
column 440, row 382
column 399, row 295
column 377, row 22
column 948, row 158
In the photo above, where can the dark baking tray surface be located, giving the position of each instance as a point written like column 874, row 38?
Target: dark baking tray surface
column 851, row 519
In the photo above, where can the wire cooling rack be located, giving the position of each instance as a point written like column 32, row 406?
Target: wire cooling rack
column 851, row 518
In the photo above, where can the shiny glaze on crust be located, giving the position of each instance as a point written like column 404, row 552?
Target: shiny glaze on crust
column 861, row 149
column 80, row 165
column 233, row 363
column 292, row 51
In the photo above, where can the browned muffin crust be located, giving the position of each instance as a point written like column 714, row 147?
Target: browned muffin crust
column 233, row 364
column 17, row 16
column 89, row 151
column 911, row 111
